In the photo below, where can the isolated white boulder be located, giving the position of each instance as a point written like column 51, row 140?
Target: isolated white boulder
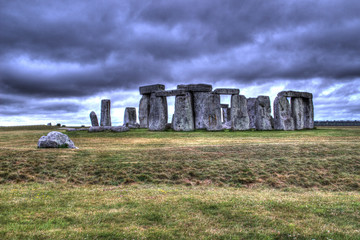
column 56, row 139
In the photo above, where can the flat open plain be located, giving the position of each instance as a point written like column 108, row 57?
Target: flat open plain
column 177, row 185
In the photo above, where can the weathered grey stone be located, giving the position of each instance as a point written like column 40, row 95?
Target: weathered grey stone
column 283, row 119
column 251, row 107
column 94, row 119
column 132, row 126
column 227, row 91
column 213, row 113
column 105, row 113
column 308, row 113
column 297, row 107
column 75, row 129
column 263, row 113
column 200, row 102
column 55, row 140
column 49, row 124
column 158, row 113
column 196, row 87
column 144, row 110
column 224, row 105
column 226, row 114
column 130, row 116
column 183, row 119
column 295, row 94
column 239, row 113
column 170, row 93
column 109, row 128
column 151, row 88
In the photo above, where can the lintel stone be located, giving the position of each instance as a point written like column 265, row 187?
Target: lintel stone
column 151, row 88
column 196, row 87
column 169, row 93
column 227, row 91
column 295, row 94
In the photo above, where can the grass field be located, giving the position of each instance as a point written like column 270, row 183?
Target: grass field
column 177, row 185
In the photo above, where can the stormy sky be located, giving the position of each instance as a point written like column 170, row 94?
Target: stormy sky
column 58, row 59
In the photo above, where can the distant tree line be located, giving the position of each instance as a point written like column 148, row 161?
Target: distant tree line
column 337, row 123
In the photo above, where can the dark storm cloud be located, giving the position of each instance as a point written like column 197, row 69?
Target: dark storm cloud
column 70, row 49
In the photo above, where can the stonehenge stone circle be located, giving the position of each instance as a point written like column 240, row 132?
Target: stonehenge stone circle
column 105, row 113
column 130, row 116
column 239, row 113
column 94, row 119
column 198, row 106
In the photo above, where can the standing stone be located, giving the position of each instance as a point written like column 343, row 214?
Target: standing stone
column 309, row 113
column 105, row 113
column 183, row 118
column 239, row 113
column 200, row 102
column 213, row 113
column 283, row 119
column 144, row 110
column 263, row 113
column 130, row 116
column 297, row 106
column 251, row 104
column 94, row 119
column 158, row 115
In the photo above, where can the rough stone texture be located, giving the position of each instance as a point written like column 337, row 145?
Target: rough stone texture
column 196, row 87
column 227, row 91
column 105, row 113
column 55, row 140
column 158, row 113
column 94, row 119
column 226, row 114
column 239, row 113
column 200, row 100
column 213, row 113
column 251, row 104
column 295, row 94
column 309, row 113
column 263, row 113
column 170, row 93
column 283, row 119
column 75, row 129
column 144, row 109
column 130, row 116
column 297, row 107
column 132, row 126
column 151, row 88
column 109, row 128
column 183, row 118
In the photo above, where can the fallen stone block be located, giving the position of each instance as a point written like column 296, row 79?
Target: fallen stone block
column 109, row 128
column 56, row 139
